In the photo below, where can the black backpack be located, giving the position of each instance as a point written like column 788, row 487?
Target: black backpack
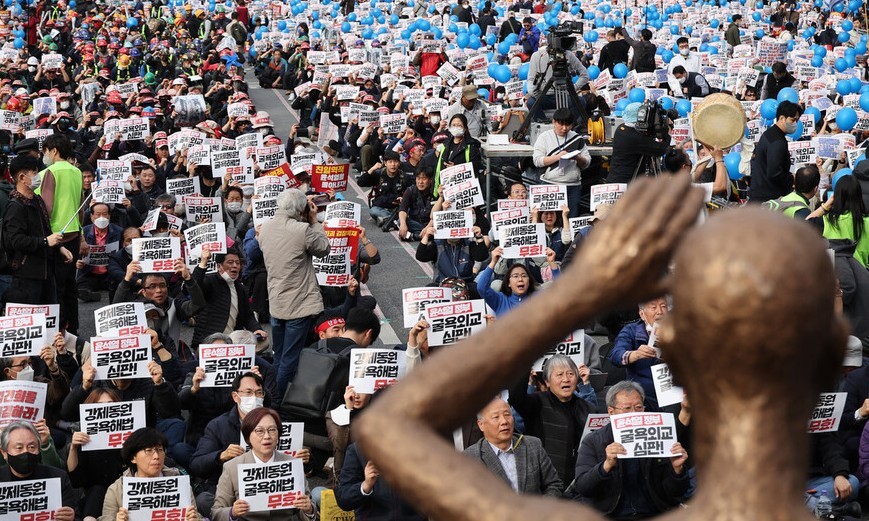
column 319, row 384
column 644, row 60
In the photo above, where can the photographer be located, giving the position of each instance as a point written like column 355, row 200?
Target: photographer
column 541, row 68
column 634, row 151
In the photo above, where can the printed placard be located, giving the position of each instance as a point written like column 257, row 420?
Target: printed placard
column 224, row 362
column 578, row 223
column 208, row 236
column 23, row 335
column 269, row 186
column 157, row 254
column 606, row 194
column 108, row 191
column 235, row 110
column 827, row 414
column 39, row 135
column 454, row 224
column 271, row 486
column 454, row 321
column 10, row 120
column 264, row 209
column 125, row 318
column 203, row 209
column 509, row 204
column 110, row 424
column 645, row 434
column 269, row 158
column 457, row 174
column 573, row 346
column 667, row 393
column 161, row 498
column 22, row 400
column 392, row 123
column 118, row 171
column 98, row 254
column 771, row 51
column 467, row 194
column 292, row 438
column 253, row 139
column 333, row 269
column 51, row 312
column 30, row 500
column 121, row 358
column 47, row 105
column 330, row 177
column 415, row 300
column 802, row 153
column 183, row 187
column 547, row 197
column 343, row 213
column 375, row 369
column 509, row 218
column 827, row 147
column 594, row 422
column 523, row 240
column 134, row 129
column 344, row 237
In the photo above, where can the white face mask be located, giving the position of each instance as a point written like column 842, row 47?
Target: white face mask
column 25, row 374
column 682, row 80
column 128, row 187
column 36, row 182
column 264, row 131
column 64, row 105
column 226, row 276
column 31, row 68
column 457, row 131
column 47, row 161
column 101, row 222
column 435, row 120
column 233, row 207
column 684, row 52
column 249, row 403
column 159, row 234
column 129, row 249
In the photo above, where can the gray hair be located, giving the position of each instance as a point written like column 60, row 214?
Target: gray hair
column 558, row 361
column 217, row 337
column 293, row 201
column 625, row 386
column 13, row 426
column 165, row 198
column 242, row 336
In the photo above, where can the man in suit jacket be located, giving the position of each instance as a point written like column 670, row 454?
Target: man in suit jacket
column 520, row 461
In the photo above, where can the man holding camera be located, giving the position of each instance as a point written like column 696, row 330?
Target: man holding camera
column 541, row 68
column 634, row 151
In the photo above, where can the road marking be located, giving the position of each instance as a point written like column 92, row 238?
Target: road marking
column 387, row 333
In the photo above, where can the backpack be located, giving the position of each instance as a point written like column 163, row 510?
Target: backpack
column 238, row 33
column 319, row 384
column 644, row 60
column 778, row 205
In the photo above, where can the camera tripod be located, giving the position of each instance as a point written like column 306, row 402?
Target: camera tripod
column 565, row 95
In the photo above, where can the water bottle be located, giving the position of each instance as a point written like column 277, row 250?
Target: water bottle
column 824, row 508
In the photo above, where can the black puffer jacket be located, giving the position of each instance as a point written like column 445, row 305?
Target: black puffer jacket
column 24, row 233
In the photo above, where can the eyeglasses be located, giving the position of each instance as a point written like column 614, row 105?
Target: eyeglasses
column 152, row 287
column 259, row 393
column 23, row 364
column 271, row 431
column 519, row 276
column 150, row 451
column 635, row 408
column 167, row 206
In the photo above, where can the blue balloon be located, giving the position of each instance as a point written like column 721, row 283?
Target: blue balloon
column 473, row 29
column 637, row 95
column 438, row 34
column 492, row 70
column 856, row 85
column 620, row 70
column 406, row 34
column 815, row 113
column 503, row 74
column 423, row 24
column 462, row 41
column 817, row 61
column 18, row 43
column 714, row 23
column 843, row 87
column 491, row 39
column 593, row 72
column 667, row 55
column 503, row 47
column 475, row 43
column 839, row 175
column 756, row 16
column 484, row 93
column 667, row 102
column 731, row 161
column 759, row 33
column 525, row 67
column 683, row 107
column 847, row 25
column 282, row 24
column 132, row 22
column 591, row 36
column 622, row 104
column 844, row 36
column 846, row 119
column 788, row 94
column 713, row 50
column 345, row 27
column 674, row 30
column 768, row 108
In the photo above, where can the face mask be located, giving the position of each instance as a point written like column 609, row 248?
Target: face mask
column 435, row 120
column 682, row 80
column 25, row 374
column 233, row 207
column 248, row 403
column 127, row 186
column 790, row 127
column 64, row 105
column 264, row 131
column 160, row 234
column 129, row 249
column 47, row 161
column 179, row 209
column 24, row 464
column 31, row 69
column 225, row 276
column 457, row 131
column 684, row 52
column 102, row 223
column 36, row 182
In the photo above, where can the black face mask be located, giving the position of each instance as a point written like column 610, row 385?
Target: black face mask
column 24, row 464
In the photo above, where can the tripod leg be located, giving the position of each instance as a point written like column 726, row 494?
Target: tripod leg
column 523, row 129
column 582, row 124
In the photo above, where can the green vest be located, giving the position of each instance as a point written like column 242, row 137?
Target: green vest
column 797, row 203
column 437, row 182
column 67, row 196
column 844, row 229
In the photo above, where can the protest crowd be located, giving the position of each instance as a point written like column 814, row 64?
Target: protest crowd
column 236, row 339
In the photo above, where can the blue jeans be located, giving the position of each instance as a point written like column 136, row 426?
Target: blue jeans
column 288, row 339
column 826, row 483
column 574, row 199
column 379, row 213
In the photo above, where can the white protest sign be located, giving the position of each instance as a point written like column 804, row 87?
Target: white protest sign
column 827, row 414
column 121, row 358
column 10, row 120
column 343, row 213
column 98, row 254
column 110, row 424
column 466, row 194
column 235, row 110
column 572, row 346
column 292, row 438
column 269, row 158
column 392, row 123
column 224, row 362
column 157, row 254
column 22, row 400
column 51, row 312
column 108, row 191
column 453, row 224
column 334, row 268
column 645, row 434
column 23, row 335
column 606, row 194
column 39, row 135
column 510, row 204
column 210, row 236
column 375, row 369
column 578, row 223
column 114, row 170
column 161, row 498
column 547, row 197
column 134, row 129
column 271, row 486
column 415, row 300
column 451, row 322
column 508, row 218
column 30, row 500
column 125, row 318
column 183, row 187
column 801, row 153
column 523, row 240
column 457, row 174
column 264, row 209
column 203, row 209
column 269, row 186
column 253, row 139
column 594, row 422
column 667, row 393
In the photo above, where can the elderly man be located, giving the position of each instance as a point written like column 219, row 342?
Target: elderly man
column 632, row 351
column 635, row 488
column 289, row 243
column 518, row 460
column 19, row 444
column 474, row 110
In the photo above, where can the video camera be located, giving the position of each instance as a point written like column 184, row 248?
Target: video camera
column 561, row 37
column 653, row 120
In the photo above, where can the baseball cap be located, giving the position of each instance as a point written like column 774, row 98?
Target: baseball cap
column 470, row 92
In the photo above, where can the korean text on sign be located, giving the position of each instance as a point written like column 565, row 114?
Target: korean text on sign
column 572, row 346
column 273, row 486
column 110, row 424
column 122, row 357
column 375, row 369
column 126, row 318
column 827, row 414
column 161, row 498
column 454, row 321
column 224, row 362
column 414, row 301
column 35, row 499
column 21, row 400
column 22, row 335
column 645, row 434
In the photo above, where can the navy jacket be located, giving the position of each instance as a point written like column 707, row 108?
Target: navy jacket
column 220, row 433
column 630, row 338
column 771, row 167
column 113, row 235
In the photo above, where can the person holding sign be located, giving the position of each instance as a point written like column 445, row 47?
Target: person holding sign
column 144, row 454
column 27, row 235
column 633, row 351
column 463, row 148
column 105, row 237
column 19, row 445
column 518, row 283
column 452, row 257
column 612, row 485
column 261, row 429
